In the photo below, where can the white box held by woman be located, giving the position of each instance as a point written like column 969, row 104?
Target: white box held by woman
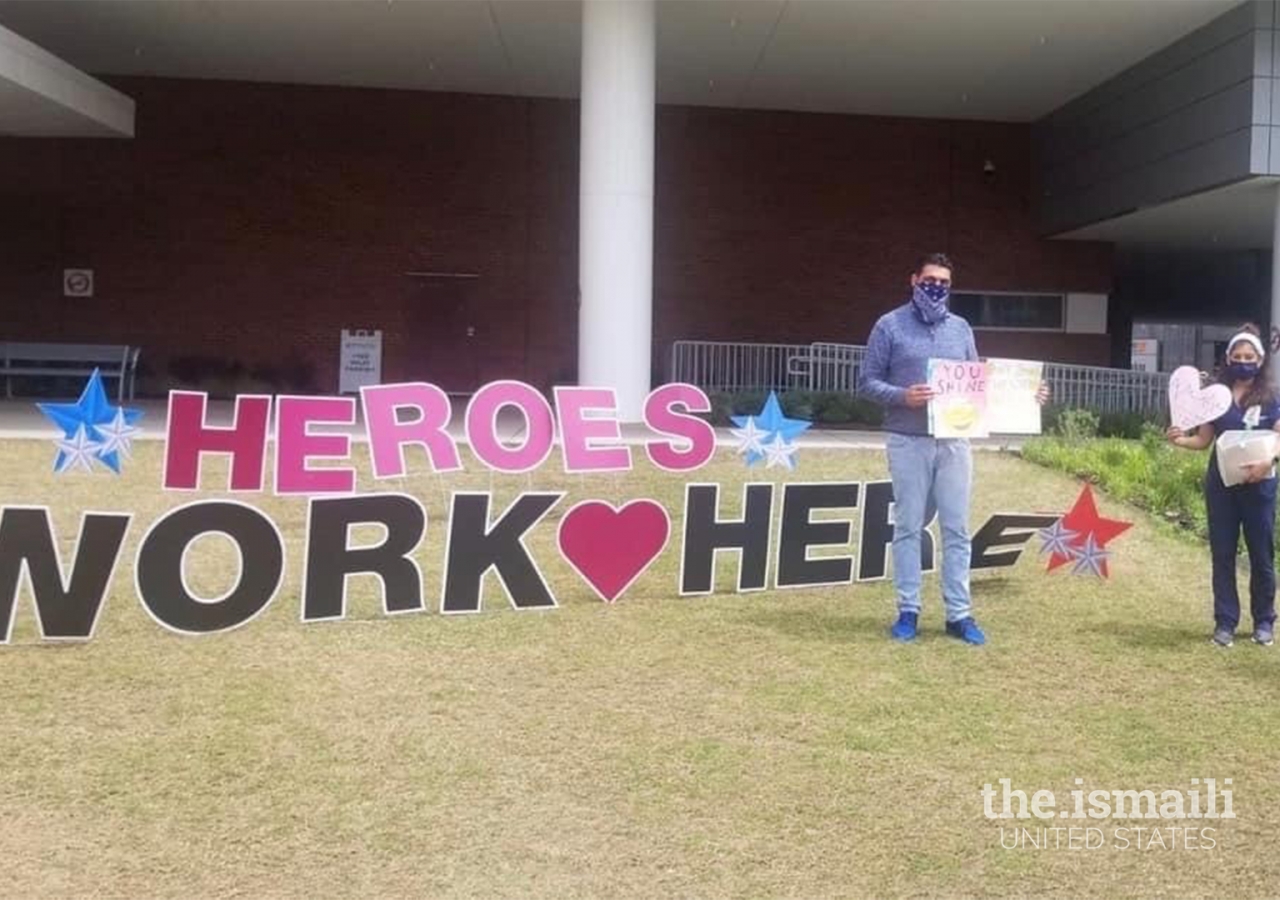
column 1237, row 449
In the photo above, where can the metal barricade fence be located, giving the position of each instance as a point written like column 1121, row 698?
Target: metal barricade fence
column 1107, row 390
column 729, row 366
column 835, row 367
column 830, row 367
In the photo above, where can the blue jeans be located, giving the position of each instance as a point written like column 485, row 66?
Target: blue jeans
column 931, row 475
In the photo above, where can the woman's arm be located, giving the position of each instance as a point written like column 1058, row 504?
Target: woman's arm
column 1201, row 439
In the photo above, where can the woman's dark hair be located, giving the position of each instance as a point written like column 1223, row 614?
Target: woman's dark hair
column 1260, row 392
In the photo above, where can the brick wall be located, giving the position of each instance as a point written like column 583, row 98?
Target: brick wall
column 798, row 227
column 254, row 221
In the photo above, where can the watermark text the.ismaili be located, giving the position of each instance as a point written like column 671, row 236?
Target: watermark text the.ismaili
column 1207, row 798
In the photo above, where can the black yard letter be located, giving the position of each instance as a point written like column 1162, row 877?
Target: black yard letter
column 1005, row 530
column 799, row 532
column 65, row 611
column 474, row 549
column 704, row 534
column 162, row 583
column 330, row 561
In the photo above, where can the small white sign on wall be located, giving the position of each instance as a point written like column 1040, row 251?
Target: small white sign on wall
column 361, row 360
column 77, row 282
column 1145, row 355
column 1086, row 313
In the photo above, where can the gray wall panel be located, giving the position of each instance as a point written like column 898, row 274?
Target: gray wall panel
column 1189, row 127
column 1264, row 52
column 1217, row 162
column 1198, row 114
column 1222, row 68
column 1265, row 14
column 1269, row 149
column 1227, row 27
column 1264, row 99
column 1275, row 38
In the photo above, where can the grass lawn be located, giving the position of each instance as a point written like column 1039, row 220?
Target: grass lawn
column 768, row 744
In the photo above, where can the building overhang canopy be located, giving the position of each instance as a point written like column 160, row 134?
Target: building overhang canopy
column 43, row 96
column 989, row 60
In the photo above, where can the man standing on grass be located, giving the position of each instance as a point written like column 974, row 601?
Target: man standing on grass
column 929, row 474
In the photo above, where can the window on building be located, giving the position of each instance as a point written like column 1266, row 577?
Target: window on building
column 1022, row 312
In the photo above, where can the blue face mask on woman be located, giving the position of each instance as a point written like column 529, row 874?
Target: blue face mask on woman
column 930, row 301
column 1242, row 371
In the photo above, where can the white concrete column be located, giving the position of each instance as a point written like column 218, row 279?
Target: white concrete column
column 615, row 203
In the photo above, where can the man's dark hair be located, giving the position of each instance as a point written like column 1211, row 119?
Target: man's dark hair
column 935, row 259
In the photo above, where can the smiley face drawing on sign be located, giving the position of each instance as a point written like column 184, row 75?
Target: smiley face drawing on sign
column 958, row 407
column 960, row 414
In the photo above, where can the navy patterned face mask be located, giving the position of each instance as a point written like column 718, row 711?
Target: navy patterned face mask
column 930, row 301
column 1241, row 371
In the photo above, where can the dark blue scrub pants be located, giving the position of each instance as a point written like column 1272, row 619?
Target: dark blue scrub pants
column 1251, row 507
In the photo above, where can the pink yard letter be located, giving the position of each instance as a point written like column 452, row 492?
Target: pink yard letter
column 698, row 436
column 295, row 444
column 388, row 436
column 482, row 426
column 578, row 431
column 188, row 438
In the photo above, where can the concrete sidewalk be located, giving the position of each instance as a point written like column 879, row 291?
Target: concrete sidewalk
column 22, row 420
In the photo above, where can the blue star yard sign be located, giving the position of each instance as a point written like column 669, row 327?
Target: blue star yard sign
column 92, row 429
column 769, row 437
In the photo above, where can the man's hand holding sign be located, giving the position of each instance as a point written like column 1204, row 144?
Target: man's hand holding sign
column 976, row 399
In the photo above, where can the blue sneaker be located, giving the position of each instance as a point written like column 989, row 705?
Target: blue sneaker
column 967, row 630
column 905, row 628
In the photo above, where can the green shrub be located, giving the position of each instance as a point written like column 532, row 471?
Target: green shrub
column 841, row 408
column 1077, row 424
column 1049, row 416
column 748, row 403
column 869, row 413
column 818, row 407
column 1149, row 473
column 1127, row 425
column 195, row 369
column 797, row 404
column 833, row 408
column 721, row 409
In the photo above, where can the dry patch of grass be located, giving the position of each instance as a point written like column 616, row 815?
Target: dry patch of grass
column 769, row 744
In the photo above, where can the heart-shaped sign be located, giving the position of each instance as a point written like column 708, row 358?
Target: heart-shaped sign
column 1191, row 405
column 611, row 547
